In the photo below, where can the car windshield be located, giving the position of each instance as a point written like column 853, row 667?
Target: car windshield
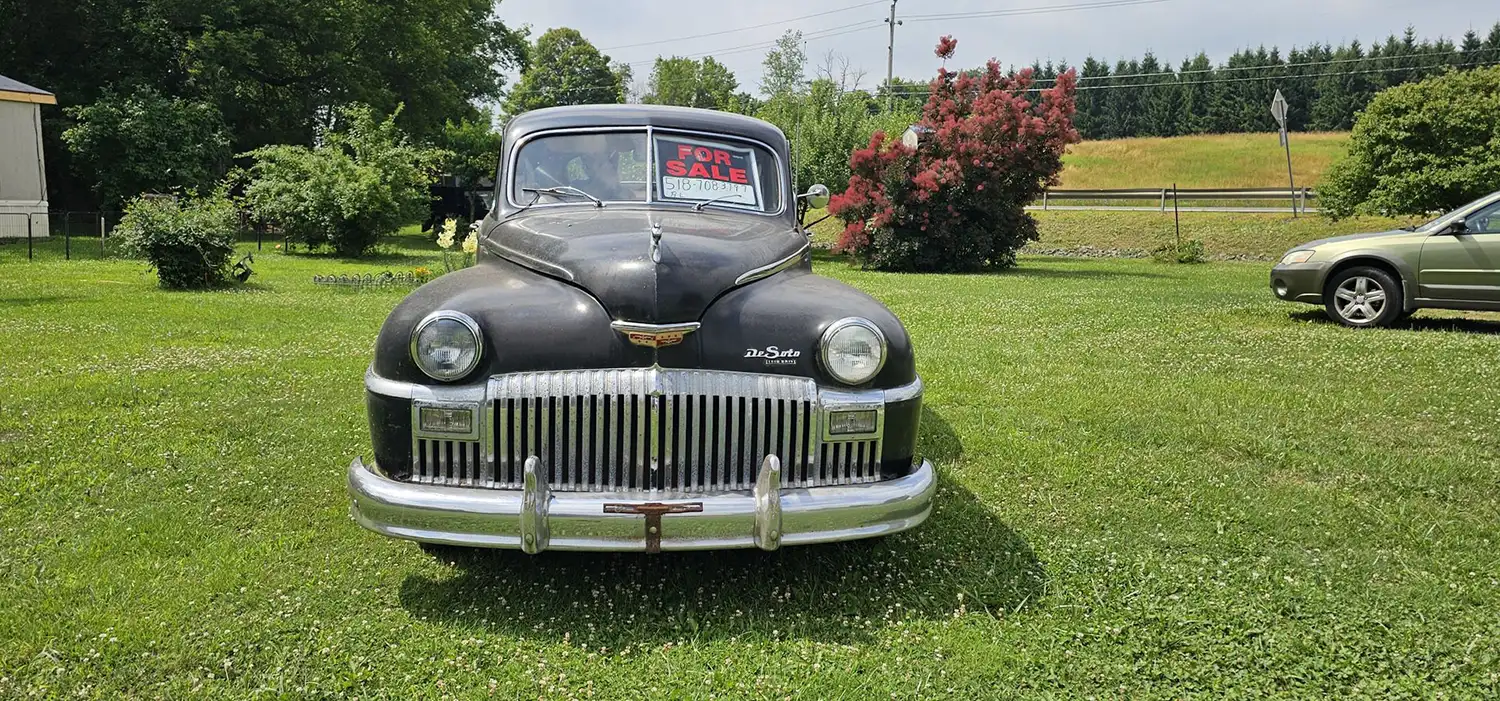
column 605, row 167
column 1443, row 218
column 597, row 169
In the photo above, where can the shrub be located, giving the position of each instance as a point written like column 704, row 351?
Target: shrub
column 957, row 202
column 1186, row 251
column 360, row 183
column 1420, row 147
column 188, row 241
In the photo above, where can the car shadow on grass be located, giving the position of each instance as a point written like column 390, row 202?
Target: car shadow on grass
column 963, row 559
column 1453, row 324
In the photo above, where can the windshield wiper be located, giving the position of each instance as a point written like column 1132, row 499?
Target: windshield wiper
column 564, row 190
column 699, row 207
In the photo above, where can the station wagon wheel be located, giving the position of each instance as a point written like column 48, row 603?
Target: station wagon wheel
column 1363, row 297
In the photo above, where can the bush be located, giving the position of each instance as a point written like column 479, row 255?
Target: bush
column 189, row 241
column 360, row 183
column 1186, row 251
column 1420, row 147
column 957, row 202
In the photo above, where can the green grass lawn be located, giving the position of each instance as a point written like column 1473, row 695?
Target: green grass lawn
column 1157, row 481
column 1206, row 161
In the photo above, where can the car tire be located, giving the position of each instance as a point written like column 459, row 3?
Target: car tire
column 1363, row 297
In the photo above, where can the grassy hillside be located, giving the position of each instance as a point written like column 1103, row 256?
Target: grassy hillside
column 1215, row 160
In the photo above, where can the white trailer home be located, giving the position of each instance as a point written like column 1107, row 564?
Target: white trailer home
column 23, row 173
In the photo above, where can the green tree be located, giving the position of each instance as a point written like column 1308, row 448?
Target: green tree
column 473, row 151
column 360, row 183
column 685, row 82
column 147, row 142
column 1091, row 118
column 1340, row 94
column 275, row 70
column 1161, row 99
column 1420, row 147
column 785, row 67
column 1194, row 76
column 565, row 69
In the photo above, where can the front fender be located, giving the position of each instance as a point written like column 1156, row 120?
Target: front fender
column 790, row 311
column 527, row 321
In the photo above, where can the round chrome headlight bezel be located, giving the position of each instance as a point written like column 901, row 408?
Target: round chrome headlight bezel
column 825, row 345
column 431, row 320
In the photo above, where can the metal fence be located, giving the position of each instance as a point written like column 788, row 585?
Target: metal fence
column 1247, row 200
column 58, row 233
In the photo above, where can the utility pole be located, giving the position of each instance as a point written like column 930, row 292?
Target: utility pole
column 890, row 61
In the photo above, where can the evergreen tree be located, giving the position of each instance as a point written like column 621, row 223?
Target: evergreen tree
column 1194, row 77
column 1161, row 98
column 1490, row 54
column 1090, row 117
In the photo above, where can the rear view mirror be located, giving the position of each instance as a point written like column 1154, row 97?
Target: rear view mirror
column 1458, row 226
column 816, row 196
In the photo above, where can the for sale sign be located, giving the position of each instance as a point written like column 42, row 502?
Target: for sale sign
column 697, row 171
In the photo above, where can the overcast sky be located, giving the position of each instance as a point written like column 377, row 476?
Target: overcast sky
column 1172, row 29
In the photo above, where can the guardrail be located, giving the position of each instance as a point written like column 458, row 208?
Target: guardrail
column 1167, row 197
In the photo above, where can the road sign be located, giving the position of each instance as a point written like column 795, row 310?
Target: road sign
column 1279, row 110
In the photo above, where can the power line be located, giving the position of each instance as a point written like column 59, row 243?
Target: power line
column 1048, row 9
column 810, row 36
column 742, row 29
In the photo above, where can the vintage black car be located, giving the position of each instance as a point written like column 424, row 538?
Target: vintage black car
column 642, row 358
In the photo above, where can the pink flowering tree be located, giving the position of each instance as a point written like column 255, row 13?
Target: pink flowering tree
column 957, row 202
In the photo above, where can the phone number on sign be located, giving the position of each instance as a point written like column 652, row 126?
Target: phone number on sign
column 693, row 188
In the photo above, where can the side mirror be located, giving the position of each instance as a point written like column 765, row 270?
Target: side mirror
column 816, row 196
column 1458, row 226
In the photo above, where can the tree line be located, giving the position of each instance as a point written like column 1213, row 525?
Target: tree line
column 1326, row 86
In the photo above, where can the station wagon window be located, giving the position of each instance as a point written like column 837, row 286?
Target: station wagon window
column 615, row 167
column 1485, row 221
column 611, row 166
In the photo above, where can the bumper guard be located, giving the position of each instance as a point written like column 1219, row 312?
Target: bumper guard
column 535, row 519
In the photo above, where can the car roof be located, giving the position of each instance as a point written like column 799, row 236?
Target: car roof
column 664, row 116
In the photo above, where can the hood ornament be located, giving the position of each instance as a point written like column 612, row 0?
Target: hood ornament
column 655, row 242
column 654, row 335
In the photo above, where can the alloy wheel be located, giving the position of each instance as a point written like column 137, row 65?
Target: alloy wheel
column 1360, row 299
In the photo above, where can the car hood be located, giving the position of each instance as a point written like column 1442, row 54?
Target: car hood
column 608, row 252
column 1353, row 237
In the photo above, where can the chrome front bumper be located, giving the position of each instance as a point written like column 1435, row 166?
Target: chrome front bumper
column 535, row 519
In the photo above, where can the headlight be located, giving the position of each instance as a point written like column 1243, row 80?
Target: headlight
column 1296, row 257
column 852, row 350
column 446, row 345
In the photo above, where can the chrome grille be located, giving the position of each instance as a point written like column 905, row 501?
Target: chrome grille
column 456, row 463
column 673, row 430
